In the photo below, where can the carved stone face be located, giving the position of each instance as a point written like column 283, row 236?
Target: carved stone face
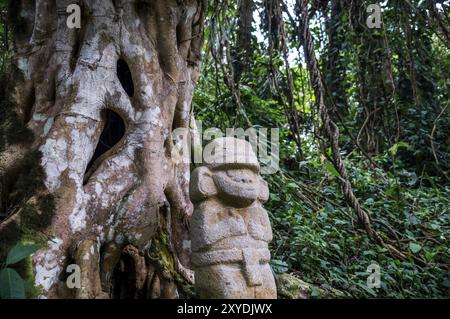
column 237, row 187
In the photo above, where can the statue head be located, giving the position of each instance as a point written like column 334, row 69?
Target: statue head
column 231, row 173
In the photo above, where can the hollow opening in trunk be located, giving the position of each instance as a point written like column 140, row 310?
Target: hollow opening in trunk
column 124, row 279
column 125, row 78
column 112, row 133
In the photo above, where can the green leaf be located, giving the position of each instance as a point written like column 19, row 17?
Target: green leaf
column 275, row 197
column 393, row 150
column 315, row 292
column 429, row 256
column 11, row 284
column 279, row 266
column 19, row 252
column 446, row 283
column 330, row 167
column 292, row 185
column 415, row 248
column 30, row 288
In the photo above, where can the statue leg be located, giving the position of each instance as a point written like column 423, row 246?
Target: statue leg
column 223, row 282
column 268, row 289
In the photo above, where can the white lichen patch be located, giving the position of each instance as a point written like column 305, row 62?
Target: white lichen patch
column 78, row 220
column 90, row 52
column 110, row 233
column 187, row 244
column 24, row 65
column 54, row 161
column 119, row 239
column 88, row 101
column 81, row 144
column 192, row 10
column 86, row 256
column 134, row 50
column 48, row 266
column 98, row 188
column 78, row 217
column 76, row 120
column 101, row 235
column 148, row 91
column 37, row 117
column 48, row 125
column 187, row 175
column 152, row 116
column 148, row 56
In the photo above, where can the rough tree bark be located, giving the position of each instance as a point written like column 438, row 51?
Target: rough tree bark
column 110, row 191
column 244, row 39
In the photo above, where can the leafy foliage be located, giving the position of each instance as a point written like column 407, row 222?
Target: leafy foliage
column 389, row 88
column 12, row 286
column 318, row 238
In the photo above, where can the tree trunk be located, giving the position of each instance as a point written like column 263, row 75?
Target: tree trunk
column 243, row 53
column 374, row 87
column 335, row 66
column 109, row 188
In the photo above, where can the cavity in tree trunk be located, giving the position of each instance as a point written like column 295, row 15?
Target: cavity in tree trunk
column 100, row 180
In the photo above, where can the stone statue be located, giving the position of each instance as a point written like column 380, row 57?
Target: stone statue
column 230, row 229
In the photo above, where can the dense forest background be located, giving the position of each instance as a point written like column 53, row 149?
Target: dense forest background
column 385, row 90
